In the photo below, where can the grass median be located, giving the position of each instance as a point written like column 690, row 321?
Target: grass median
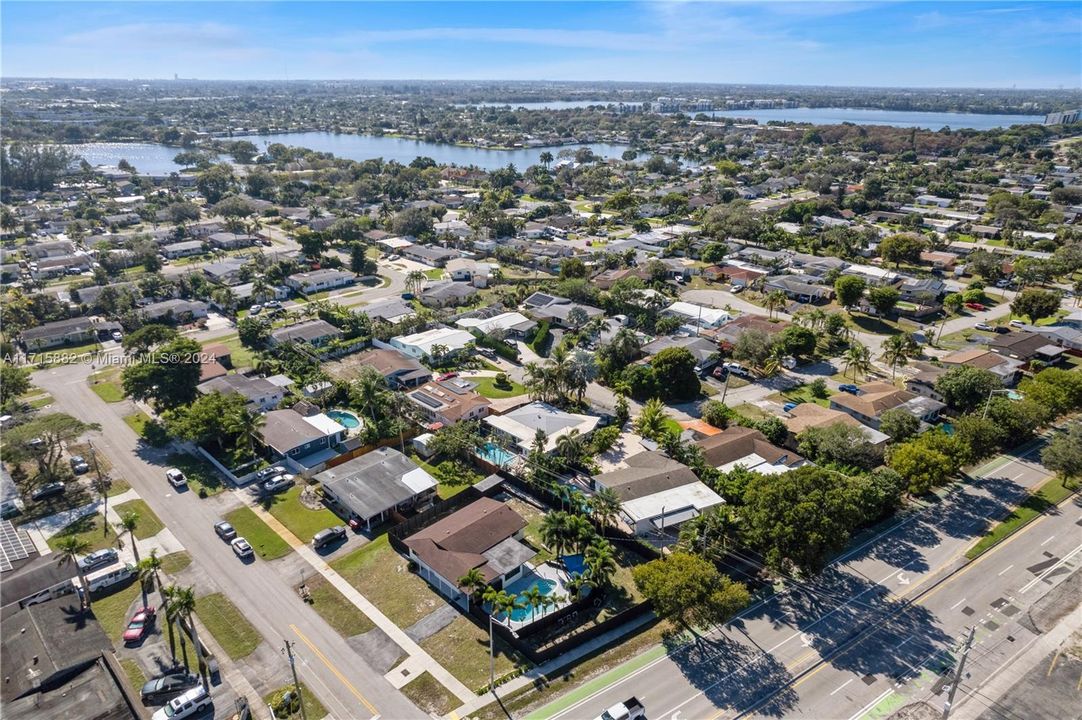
column 1051, row 493
column 268, row 544
column 89, row 528
column 429, row 695
column 228, row 626
column 332, row 606
column 149, row 524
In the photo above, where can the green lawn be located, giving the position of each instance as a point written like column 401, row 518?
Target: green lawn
column 301, row 521
column 487, row 386
column 381, row 575
column 752, row 412
column 429, row 695
column 113, row 610
column 89, row 528
column 800, row 394
column 149, row 524
column 268, row 544
column 340, row 613
column 312, row 706
column 1051, row 493
column 175, row 562
column 134, row 673
column 201, row 475
column 41, row 401
column 106, row 384
column 137, row 421
column 228, row 626
column 462, row 648
column 673, row 426
column 434, row 274
column 239, row 355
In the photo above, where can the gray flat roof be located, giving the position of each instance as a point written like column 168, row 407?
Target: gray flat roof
column 375, row 482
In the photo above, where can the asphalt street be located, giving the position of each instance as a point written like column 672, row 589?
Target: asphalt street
column 861, row 633
column 342, row 680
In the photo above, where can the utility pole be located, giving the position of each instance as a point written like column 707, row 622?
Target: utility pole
column 296, row 683
column 958, row 675
column 102, row 489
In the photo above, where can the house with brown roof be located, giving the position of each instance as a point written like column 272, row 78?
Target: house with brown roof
column 811, row 415
column 731, row 331
column 1007, row 369
column 875, row 398
column 1026, row 346
column 484, row 535
column 398, row 369
column 747, row 448
column 446, row 403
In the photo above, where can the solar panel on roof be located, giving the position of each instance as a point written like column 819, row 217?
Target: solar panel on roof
column 427, row 400
column 15, row 545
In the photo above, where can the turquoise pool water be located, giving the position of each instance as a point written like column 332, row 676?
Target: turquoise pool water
column 344, row 418
column 520, row 586
column 493, row 453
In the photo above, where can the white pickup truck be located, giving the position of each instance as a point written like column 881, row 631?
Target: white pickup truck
column 630, row 709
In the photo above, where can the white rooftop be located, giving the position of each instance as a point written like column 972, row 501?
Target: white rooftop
column 698, row 314
column 504, row 321
column 669, row 502
column 522, row 423
column 448, row 337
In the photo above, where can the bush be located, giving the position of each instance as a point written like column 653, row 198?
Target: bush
column 716, row 413
column 542, row 339
column 818, row 388
column 605, row 438
column 501, row 381
column 499, row 346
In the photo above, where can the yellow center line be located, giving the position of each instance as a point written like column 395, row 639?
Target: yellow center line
column 333, row 669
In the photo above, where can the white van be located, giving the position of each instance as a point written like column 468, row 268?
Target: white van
column 107, row 577
column 190, row 703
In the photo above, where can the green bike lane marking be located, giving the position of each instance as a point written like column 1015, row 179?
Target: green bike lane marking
column 598, row 683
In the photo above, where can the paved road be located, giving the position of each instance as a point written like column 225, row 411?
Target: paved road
column 344, row 683
column 770, row 660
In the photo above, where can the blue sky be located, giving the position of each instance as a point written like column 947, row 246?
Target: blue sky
column 973, row 44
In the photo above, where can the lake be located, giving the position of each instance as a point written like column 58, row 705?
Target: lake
column 158, row 159
column 896, row 118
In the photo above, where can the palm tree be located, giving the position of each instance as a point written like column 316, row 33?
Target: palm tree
column 499, row 601
column 415, row 280
column 472, row 582
column 70, row 548
column 182, row 607
column 601, row 561
column 129, row 521
column 651, row 420
column 858, row 359
column 572, row 447
column 148, row 569
column 579, row 532
column 605, row 507
column 774, row 301
column 556, row 531
column 534, row 598
column 896, row 351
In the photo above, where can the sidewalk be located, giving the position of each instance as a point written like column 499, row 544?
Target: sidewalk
column 552, row 666
column 417, row 659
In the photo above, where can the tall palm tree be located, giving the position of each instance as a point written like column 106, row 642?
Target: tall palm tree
column 70, row 548
column 129, row 522
column 774, row 301
column 601, row 561
column 896, row 351
column 534, row 599
column 148, row 569
column 571, row 447
column 415, row 280
column 499, row 602
column 858, row 359
column 182, row 607
column 579, row 532
column 605, row 507
column 472, row 582
column 651, row 420
column 556, row 531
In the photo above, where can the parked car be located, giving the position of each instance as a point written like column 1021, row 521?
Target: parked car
column 118, row 336
column 47, row 491
column 975, row 306
column 486, row 352
column 1003, row 283
column 324, row 538
column 97, row 559
column 79, row 465
column 176, row 478
column 720, row 372
column 139, row 625
column 268, row 472
column 849, row 388
column 1001, row 329
column 191, row 703
column 789, row 406
column 255, row 309
column 162, row 689
column 273, row 304
column 984, row 326
column 1018, row 323
column 447, row 376
column 278, row 483
column 224, row 530
column 241, row 548
column 737, row 289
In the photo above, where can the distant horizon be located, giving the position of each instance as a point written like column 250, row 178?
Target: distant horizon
column 919, row 45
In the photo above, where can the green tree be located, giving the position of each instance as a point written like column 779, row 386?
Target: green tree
column 605, row 507
column 1064, row 452
column 459, row 441
column 415, row 222
column 215, row 182
column 897, row 350
column 980, row 436
column 148, row 337
column 899, row 423
column 652, row 422
column 716, row 413
column 966, row 388
column 796, row 341
column 253, row 332
column 799, row 519
column 753, row 347
column 883, row 299
column 857, row 358
column 1035, row 304
column 14, row 381
column 71, row 548
column 168, row 377
column 473, row 583
column 849, row 289
column 674, row 368
column 839, row 443
column 922, row 468
column 904, row 247
column 213, row 417
column 182, row 607
column 42, row 441
column 689, row 590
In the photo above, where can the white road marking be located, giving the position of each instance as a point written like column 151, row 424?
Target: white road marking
column 841, row 686
column 869, row 706
column 958, row 603
column 1050, row 539
column 1005, row 569
column 1029, row 586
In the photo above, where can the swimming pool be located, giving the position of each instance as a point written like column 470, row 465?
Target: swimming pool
column 344, row 418
column 520, row 587
column 575, row 564
column 493, row 453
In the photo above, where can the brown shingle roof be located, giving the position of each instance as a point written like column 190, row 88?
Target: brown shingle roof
column 455, row 544
column 875, row 398
column 646, row 474
column 739, row 442
column 808, row 415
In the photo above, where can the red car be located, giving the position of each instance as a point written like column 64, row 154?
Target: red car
column 447, row 376
column 975, row 306
column 139, row 625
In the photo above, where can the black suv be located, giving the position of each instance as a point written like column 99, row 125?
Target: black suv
column 161, row 690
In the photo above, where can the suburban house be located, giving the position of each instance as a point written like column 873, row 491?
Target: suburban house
column 226, row 272
column 430, row 255
column 471, row 271
column 72, row 331
column 811, row 415
column 64, row 265
column 448, row 402
column 1025, row 346
column 939, row 259
column 302, row 442
column 262, row 394
column 313, row 332
column 875, row 398
column 447, row 293
column 705, row 351
column 731, row 331
column 1009, row 370
column 923, row 290
column 397, row 369
column 734, row 275
column 186, row 248
column 512, row 324
column 420, row 345
column 315, row 281
column 797, row 289
column 371, row 487
column 484, row 536
column 231, row 241
column 555, row 309
column 176, row 311
column 747, row 448
column 657, row 494
column 391, row 310
column 697, row 317
column 56, row 248
column 874, row 276
column 519, row 426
